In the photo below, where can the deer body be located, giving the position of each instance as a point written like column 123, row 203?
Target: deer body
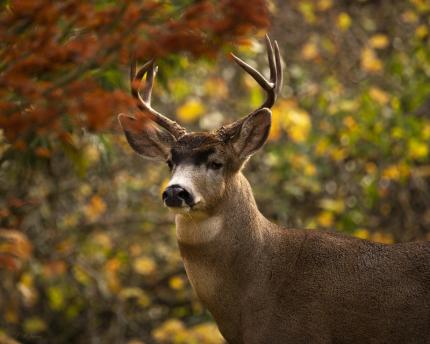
column 263, row 283
column 266, row 284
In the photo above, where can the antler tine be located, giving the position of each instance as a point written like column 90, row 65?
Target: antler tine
column 144, row 99
column 272, row 65
column 136, row 78
column 273, row 86
column 254, row 73
column 279, row 71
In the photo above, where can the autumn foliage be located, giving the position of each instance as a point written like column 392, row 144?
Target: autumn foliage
column 56, row 56
column 87, row 252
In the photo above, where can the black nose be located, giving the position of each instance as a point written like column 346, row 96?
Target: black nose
column 176, row 196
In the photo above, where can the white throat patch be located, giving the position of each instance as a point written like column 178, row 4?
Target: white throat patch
column 194, row 231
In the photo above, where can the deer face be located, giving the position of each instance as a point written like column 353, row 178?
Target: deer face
column 198, row 163
column 202, row 164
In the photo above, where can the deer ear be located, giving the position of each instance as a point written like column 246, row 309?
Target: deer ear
column 145, row 138
column 253, row 133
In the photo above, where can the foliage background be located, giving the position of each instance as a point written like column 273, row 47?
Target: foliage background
column 87, row 253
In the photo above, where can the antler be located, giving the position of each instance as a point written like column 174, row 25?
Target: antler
column 144, row 98
column 272, row 86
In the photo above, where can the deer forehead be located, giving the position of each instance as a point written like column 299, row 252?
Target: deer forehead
column 195, row 157
column 196, row 149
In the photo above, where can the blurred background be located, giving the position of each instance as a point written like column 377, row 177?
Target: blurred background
column 87, row 252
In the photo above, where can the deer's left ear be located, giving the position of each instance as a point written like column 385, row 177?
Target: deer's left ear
column 146, row 139
column 253, row 133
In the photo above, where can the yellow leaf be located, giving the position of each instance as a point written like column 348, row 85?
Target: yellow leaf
column 113, row 264
column 395, row 103
column 301, row 162
column 307, row 10
column 294, row 120
column 396, row 172
column 348, row 105
column 70, row 220
column 370, row 61
column 275, row 129
column 398, row 132
column 135, row 293
column 27, row 290
column 379, row 95
column 113, row 282
column 362, row 233
column 56, row 298
column 92, row 153
column 176, row 283
column 135, row 249
column 102, row 239
column 34, row 325
column 391, row 173
column 422, row 31
column 417, row 149
column 421, row 5
column 384, row 238
column 207, row 333
column 322, row 146
column 11, row 315
column 167, row 330
column 5, row 339
column 81, row 275
column 338, row 154
column 325, row 219
column 409, row 17
column 15, row 243
column 332, row 205
column 179, row 88
column 144, row 265
column 310, row 51
column 324, row 5
column 425, row 131
column 371, row 168
column 95, row 208
column 85, row 189
column 190, row 111
column 216, row 88
column 350, row 123
column 343, row 21
column 379, row 41
column 310, row 170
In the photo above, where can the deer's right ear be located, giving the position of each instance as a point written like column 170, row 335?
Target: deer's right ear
column 253, row 133
column 145, row 138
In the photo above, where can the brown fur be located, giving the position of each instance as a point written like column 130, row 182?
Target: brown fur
column 275, row 285
column 266, row 284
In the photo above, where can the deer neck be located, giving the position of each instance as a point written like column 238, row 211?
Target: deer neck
column 236, row 219
column 221, row 252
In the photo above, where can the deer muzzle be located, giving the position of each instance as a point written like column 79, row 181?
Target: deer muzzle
column 176, row 196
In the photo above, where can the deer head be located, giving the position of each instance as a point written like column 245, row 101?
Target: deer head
column 201, row 163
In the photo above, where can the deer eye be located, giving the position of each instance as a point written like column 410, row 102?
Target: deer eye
column 170, row 164
column 215, row 165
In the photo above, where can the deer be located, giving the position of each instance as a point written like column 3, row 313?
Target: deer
column 264, row 283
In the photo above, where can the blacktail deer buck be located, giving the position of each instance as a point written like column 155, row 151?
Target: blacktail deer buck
column 261, row 282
